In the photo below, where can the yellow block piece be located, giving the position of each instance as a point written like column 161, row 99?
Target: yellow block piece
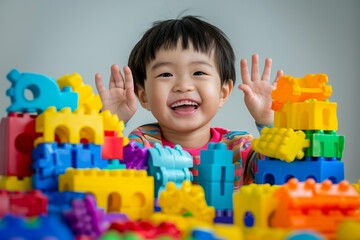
column 189, row 198
column 127, row 191
column 88, row 101
column 290, row 89
column 309, row 115
column 349, row 230
column 12, row 183
column 256, row 199
column 284, row 144
column 111, row 122
column 69, row 126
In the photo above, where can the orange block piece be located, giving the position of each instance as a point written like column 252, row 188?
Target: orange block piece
column 291, row 89
column 318, row 206
column 282, row 143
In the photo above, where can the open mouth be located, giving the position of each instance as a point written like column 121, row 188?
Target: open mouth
column 184, row 105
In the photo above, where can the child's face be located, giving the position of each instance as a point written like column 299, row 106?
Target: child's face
column 183, row 89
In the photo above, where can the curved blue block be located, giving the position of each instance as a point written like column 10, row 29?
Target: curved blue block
column 45, row 93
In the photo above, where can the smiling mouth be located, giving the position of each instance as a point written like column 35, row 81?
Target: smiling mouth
column 185, row 105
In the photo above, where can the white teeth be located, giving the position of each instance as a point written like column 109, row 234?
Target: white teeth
column 185, row 102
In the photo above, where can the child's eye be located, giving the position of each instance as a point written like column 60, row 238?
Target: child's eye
column 199, row 73
column 165, row 75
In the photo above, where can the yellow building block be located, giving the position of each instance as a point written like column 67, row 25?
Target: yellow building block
column 189, row 198
column 265, row 233
column 69, row 126
column 282, row 143
column 291, row 89
column 357, row 186
column 228, row 231
column 256, row 199
column 309, row 115
column 127, row 191
column 13, row 183
column 111, row 122
column 88, row 101
column 349, row 230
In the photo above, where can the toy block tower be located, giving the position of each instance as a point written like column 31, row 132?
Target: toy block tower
column 303, row 143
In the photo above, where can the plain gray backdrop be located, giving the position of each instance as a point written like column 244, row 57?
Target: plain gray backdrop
column 62, row 37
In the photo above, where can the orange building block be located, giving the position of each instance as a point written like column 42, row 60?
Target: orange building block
column 318, row 206
column 291, row 89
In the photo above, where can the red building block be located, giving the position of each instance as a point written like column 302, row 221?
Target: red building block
column 17, row 135
column 113, row 146
column 29, row 204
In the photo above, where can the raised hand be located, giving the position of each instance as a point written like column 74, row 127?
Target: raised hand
column 257, row 89
column 120, row 98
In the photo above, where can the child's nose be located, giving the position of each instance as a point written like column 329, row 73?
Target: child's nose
column 184, row 84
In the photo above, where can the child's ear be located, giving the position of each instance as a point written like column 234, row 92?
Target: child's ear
column 226, row 90
column 142, row 98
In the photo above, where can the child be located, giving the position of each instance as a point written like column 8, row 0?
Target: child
column 182, row 70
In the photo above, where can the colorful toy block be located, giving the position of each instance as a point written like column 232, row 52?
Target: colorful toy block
column 87, row 99
column 279, row 172
column 216, row 175
column 189, row 198
column 113, row 145
column 29, row 204
column 69, row 127
column 325, row 144
column 126, row 191
column 44, row 90
column 348, row 229
column 147, row 229
column 84, row 218
column 111, row 122
column 254, row 200
column 291, row 89
column 52, row 159
column 135, row 157
column 43, row 227
column 168, row 165
column 59, row 202
column 281, row 143
column 309, row 115
column 17, row 136
column 318, row 206
column 224, row 216
column 12, row 183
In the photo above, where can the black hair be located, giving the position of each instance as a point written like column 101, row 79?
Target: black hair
column 204, row 37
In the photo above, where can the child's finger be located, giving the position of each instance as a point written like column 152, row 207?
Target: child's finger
column 244, row 72
column 267, row 69
column 116, row 78
column 255, row 75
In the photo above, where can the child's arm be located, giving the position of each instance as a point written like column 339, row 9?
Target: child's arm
column 120, row 98
column 257, row 90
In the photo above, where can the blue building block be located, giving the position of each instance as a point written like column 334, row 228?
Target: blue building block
column 216, row 175
column 45, row 93
column 279, row 172
column 204, row 234
column 216, row 164
column 224, row 216
column 58, row 202
column 52, row 159
column 43, row 227
column 167, row 164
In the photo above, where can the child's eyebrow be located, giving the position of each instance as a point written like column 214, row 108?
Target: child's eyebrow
column 198, row 62
column 160, row 64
